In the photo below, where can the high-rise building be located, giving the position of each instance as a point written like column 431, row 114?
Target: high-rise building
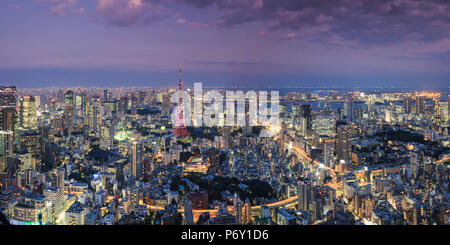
column 80, row 104
column 27, row 112
column 31, row 141
column 348, row 109
column 69, row 105
column 7, row 132
column 306, row 119
column 95, row 116
column 136, row 159
column 247, row 214
column 420, row 104
column 238, row 210
column 407, row 104
column 448, row 107
column 8, row 97
column 55, row 195
column 304, row 195
column 414, row 162
column 343, row 143
column 58, row 177
column 316, row 209
column 123, row 104
column 328, row 152
column 188, row 216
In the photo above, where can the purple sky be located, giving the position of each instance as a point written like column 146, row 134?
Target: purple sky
column 225, row 42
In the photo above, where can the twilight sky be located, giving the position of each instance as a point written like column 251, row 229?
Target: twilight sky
column 300, row 43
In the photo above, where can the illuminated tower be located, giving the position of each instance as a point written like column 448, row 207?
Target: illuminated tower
column 343, row 144
column 27, row 112
column 180, row 128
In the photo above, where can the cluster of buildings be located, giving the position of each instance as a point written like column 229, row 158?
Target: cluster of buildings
column 110, row 156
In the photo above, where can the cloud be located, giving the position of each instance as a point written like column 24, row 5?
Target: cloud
column 289, row 36
column 381, row 21
column 64, row 7
column 125, row 13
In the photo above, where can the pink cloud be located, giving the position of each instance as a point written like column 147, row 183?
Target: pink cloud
column 64, row 7
column 130, row 12
column 289, row 36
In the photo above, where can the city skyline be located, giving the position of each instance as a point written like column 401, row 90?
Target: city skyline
column 225, row 43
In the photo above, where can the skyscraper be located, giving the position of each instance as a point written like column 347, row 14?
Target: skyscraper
column 328, row 151
column 56, row 197
column 343, row 143
column 136, row 159
column 69, row 104
column 420, row 104
column 448, row 107
column 407, row 104
column 414, row 162
column 27, row 112
column 8, row 96
column 348, row 109
column 188, row 216
column 306, row 119
column 304, row 194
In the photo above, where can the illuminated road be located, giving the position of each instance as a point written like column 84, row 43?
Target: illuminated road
column 301, row 153
column 447, row 159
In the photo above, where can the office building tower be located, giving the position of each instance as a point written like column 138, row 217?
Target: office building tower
column 407, row 104
column 58, row 177
column 238, row 210
column 448, row 107
column 8, row 97
column 247, row 213
column 55, row 196
column 69, row 105
column 188, row 216
column 31, row 141
column 414, row 162
column 328, row 152
column 123, row 104
column 306, row 118
column 343, row 143
column 316, row 209
column 304, row 195
column 348, row 110
column 27, row 112
column 7, row 132
column 136, row 159
column 420, row 104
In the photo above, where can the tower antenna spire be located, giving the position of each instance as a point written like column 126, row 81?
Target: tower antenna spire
column 180, row 76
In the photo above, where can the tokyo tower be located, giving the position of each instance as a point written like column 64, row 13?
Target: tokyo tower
column 180, row 130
